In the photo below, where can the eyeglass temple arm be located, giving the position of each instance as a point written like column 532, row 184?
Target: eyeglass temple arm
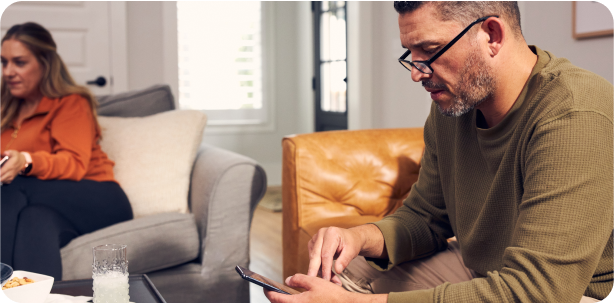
column 443, row 50
column 405, row 54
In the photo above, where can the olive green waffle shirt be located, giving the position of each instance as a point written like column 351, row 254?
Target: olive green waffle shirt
column 530, row 200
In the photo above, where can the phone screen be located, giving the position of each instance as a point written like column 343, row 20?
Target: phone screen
column 265, row 282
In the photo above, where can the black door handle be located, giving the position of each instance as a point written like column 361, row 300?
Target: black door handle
column 100, row 81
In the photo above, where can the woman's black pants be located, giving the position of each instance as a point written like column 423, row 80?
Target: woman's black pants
column 41, row 216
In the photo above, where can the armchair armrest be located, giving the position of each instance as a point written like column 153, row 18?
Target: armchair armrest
column 340, row 178
column 224, row 191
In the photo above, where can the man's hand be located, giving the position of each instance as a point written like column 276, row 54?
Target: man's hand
column 343, row 245
column 320, row 291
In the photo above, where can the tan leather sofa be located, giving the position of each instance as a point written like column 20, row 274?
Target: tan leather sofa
column 343, row 179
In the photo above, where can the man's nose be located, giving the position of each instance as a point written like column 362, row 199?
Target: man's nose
column 418, row 76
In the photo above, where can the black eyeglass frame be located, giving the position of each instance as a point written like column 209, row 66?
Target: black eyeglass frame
column 443, row 50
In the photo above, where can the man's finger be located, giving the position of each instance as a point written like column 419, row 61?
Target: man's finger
column 329, row 249
column 311, row 242
column 335, row 279
column 315, row 257
column 344, row 260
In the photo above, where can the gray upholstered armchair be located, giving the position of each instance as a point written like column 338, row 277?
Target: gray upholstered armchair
column 189, row 257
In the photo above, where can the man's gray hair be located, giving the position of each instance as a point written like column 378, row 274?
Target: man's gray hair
column 465, row 12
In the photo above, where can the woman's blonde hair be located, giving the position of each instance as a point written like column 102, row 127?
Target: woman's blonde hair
column 55, row 81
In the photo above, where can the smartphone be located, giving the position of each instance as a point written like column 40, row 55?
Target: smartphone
column 4, row 159
column 264, row 282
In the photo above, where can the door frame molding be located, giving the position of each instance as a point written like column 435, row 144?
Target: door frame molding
column 170, row 50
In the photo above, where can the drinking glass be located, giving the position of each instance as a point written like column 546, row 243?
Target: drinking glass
column 5, row 273
column 110, row 274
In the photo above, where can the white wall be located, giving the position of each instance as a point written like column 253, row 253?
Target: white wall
column 305, row 93
column 548, row 25
column 144, row 22
column 397, row 100
column 380, row 91
column 152, row 44
column 360, row 65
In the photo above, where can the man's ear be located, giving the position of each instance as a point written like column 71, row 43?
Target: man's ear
column 496, row 31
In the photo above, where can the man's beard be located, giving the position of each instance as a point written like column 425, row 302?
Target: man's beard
column 476, row 85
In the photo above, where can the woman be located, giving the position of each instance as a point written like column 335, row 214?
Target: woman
column 58, row 183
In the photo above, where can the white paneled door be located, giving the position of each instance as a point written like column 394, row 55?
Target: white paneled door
column 82, row 31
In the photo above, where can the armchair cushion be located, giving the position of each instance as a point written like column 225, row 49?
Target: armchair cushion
column 154, row 242
column 153, row 157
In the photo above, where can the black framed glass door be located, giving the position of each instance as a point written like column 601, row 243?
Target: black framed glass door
column 330, row 80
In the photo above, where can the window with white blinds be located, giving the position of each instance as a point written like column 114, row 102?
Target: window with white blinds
column 220, row 60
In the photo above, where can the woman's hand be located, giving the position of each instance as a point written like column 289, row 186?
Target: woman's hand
column 13, row 166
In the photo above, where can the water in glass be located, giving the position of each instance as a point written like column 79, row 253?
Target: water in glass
column 110, row 274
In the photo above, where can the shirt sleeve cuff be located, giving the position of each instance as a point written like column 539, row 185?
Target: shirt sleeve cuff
column 397, row 245
column 39, row 163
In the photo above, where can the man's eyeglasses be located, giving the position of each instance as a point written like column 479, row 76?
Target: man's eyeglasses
column 425, row 66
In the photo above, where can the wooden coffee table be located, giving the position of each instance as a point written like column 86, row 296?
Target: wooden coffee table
column 141, row 289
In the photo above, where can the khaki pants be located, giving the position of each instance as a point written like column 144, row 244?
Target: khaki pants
column 426, row 273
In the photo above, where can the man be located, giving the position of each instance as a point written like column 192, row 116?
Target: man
column 517, row 166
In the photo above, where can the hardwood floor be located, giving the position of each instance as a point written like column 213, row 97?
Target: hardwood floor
column 265, row 249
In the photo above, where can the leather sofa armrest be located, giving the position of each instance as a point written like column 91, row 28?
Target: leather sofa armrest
column 224, row 191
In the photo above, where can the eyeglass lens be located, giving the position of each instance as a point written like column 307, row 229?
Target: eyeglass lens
column 419, row 65
column 423, row 68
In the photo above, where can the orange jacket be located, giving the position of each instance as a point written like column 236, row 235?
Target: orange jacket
column 62, row 139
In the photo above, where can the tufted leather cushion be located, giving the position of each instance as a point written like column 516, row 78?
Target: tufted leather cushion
column 340, row 174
